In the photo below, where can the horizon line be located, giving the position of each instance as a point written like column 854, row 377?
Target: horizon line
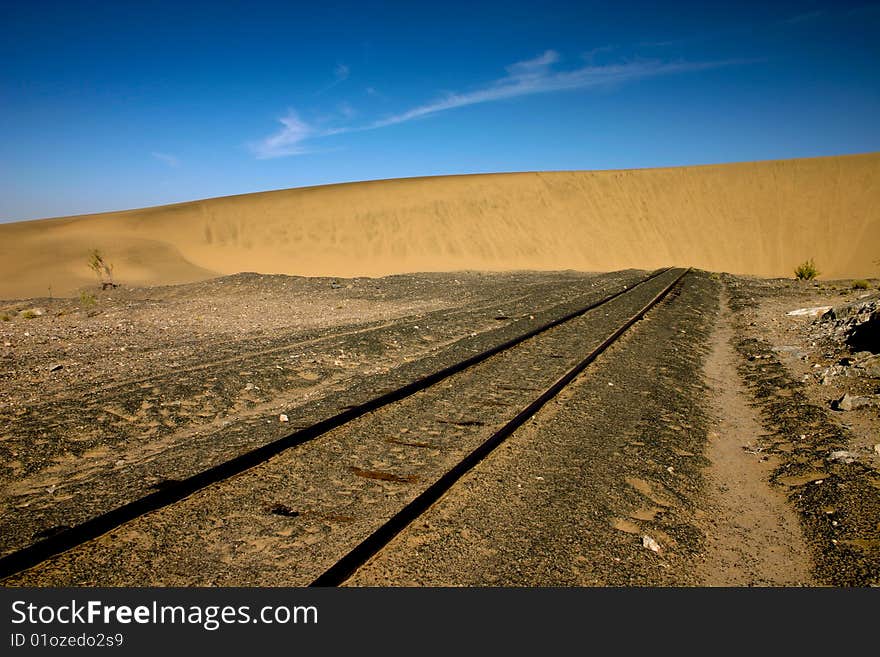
column 429, row 177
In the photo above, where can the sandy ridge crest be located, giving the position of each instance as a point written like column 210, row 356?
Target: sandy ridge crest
column 759, row 218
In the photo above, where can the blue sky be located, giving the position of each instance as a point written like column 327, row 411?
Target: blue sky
column 114, row 105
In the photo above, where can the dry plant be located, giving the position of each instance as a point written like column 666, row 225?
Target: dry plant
column 103, row 270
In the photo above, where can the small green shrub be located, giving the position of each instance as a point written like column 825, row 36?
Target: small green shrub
column 5, row 317
column 87, row 299
column 860, row 285
column 806, row 271
column 29, row 314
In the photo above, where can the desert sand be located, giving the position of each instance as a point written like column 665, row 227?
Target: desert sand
column 758, row 218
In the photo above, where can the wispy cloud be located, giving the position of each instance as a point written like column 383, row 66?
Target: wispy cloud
column 346, row 110
column 166, row 158
column 590, row 55
column 525, row 78
column 341, row 73
column 287, row 141
column 536, row 77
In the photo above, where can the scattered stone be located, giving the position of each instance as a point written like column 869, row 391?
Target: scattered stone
column 282, row 510
column 794, row 351
column 56, row 367
column 650, row 544
column 335, row 285
column 863, row 363
column 283, row 418
column 808, row 312
column 855, row 309
column 845, row 403
column 800, row 480
column 826, row 374
column 849, row 402
column 843, row 456
column 870, row 365
column 857, row 324
column 877, row 448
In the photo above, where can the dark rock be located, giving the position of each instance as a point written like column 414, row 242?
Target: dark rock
column 843, row 404
column 870, row 366
column 856, row 323
column 849, row 402
column 866, row 336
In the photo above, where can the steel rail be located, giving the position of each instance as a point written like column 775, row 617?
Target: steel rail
column 31, row 555
column 343, row 569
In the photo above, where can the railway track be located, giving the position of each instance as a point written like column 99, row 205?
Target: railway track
column 76, row 539
column 78, row 458
column 238, row 352
column 340, row 571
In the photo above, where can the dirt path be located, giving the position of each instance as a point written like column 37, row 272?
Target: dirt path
column 754, row 538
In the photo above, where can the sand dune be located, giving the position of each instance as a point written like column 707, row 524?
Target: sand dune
column 760, row 218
